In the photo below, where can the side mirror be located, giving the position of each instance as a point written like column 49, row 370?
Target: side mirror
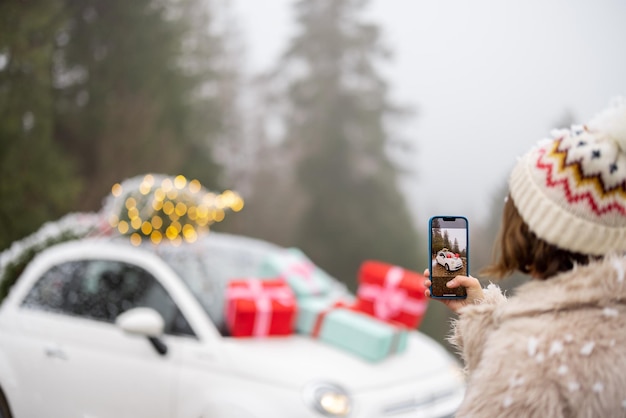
column 141, row 321
column 145, row 322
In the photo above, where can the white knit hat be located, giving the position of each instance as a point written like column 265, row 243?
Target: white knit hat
column 571, row 190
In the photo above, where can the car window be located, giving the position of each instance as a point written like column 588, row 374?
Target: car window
column 207, row 269
column 103, row 289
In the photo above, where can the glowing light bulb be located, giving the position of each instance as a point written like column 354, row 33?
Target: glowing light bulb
column 149, row 180
column 180, row 181
column 131, row 203
column 157, row 222
column 181, row 209
column 156, row 237
column 123, row 227
column 144, row 188
column 135, row 239
column 194, row 186
column 159, row 194
column 171, row 232
column 136, row 223
column 133, row 213
column 146, row 228
column 218, row 215
column 189, row 233
column 168, row 207
column 116, row 190
column 237, row 205
column 203, row 212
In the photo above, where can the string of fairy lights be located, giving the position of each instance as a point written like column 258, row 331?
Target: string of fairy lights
column 172, row 209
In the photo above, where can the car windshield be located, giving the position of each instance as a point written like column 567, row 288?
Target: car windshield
column 207, row 265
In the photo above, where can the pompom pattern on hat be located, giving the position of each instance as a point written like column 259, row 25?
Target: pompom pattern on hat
column 612, row 122
column 571, row 190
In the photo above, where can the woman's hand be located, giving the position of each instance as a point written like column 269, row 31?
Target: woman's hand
column 471, row 284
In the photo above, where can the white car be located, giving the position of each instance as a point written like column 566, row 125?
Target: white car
column 98, row 328
column 449, row 260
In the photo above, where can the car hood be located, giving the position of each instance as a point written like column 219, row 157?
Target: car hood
column 297, row 360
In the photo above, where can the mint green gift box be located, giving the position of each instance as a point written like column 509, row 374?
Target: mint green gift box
column 349, row 330
column 304, row 277
column 309, row 310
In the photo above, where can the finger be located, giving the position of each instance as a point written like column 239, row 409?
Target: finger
column 465, row 281
column 427, row 273
column 427, row 293
column 427, row 283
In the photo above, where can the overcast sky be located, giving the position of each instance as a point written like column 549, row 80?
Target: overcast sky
column 487, row 78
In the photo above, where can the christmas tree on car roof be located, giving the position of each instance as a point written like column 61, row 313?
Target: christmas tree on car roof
column 160, row 208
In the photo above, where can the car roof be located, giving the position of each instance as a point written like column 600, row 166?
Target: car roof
column 224, row 239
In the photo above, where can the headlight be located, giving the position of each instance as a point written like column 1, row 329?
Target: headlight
column 328, row 399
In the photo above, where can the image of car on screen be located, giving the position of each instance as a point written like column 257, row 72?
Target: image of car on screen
column 449, row 260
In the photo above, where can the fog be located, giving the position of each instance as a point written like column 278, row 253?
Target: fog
column 486, row 79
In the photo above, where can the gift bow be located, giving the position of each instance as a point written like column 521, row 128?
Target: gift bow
column 304, row 269
column 389, row 300
column 262, row 297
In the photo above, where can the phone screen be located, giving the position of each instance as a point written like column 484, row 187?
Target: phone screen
column 449, row 253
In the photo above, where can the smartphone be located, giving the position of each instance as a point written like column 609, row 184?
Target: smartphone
column 448, row 245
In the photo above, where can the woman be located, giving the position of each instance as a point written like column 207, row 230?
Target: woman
column 557, row 347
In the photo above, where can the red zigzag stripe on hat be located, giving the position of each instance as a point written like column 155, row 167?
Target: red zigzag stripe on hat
column 575, row 197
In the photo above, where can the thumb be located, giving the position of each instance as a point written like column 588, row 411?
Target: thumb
column 474, row 289
column 465, row 281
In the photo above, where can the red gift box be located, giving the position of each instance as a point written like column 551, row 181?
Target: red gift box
column 391, row 293
column 257, row 308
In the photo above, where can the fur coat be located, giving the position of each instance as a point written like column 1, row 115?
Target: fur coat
column 557, row 348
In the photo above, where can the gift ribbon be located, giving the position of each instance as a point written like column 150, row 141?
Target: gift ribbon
column 389, row 300
column 262, row 297
column 395, row 342
column 319, row 320
column 305, row 270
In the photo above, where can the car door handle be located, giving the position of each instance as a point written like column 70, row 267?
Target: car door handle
column 55, row 352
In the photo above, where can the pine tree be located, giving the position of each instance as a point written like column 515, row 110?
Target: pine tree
column 37, row 181
column 335, row 127
column 436, row 237
column 455, row 247
column 446, row 240
column 136, row 91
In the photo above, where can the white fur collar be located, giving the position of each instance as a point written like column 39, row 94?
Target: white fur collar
column 600, row 284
